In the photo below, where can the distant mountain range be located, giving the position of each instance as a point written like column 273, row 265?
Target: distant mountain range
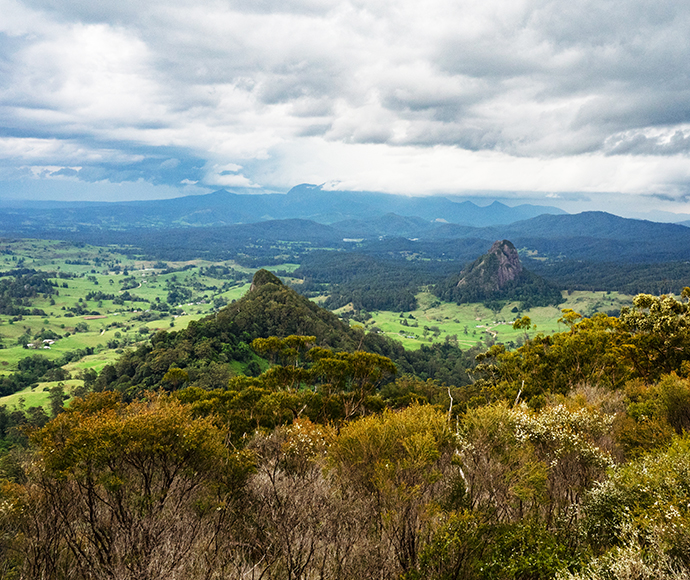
column 224, row 224
column 586, row 237
column 226, row 208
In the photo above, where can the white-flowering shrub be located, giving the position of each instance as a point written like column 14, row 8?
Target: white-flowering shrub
column 519, row 460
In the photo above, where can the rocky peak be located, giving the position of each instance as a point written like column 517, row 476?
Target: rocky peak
column 499, row 266
column 509, row 266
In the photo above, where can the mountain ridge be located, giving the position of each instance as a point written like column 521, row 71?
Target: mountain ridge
column 224, row 207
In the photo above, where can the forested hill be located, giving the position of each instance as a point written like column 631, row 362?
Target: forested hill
column 592, row 224
column 272, row 309
column 206, row 349
column 498, row 275
column 210, row 351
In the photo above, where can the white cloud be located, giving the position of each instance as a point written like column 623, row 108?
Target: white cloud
column 405, row 96
column 227, row 175
column 30, row 149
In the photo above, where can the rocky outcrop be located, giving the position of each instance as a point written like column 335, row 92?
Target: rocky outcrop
column 498, row 276
column 495, row 269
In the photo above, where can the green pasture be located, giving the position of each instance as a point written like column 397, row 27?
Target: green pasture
column 94, row 362
column 469, row 324
column 26, row 398
column 101, row 324
column 38, row 396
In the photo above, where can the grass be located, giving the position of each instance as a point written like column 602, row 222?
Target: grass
column 95, row 361
column 468, row 324
column 26, row 398
column 115, row 326
column 38, row 396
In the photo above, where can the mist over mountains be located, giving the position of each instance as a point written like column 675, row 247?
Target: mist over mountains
column 222, row 225
column 226, row 208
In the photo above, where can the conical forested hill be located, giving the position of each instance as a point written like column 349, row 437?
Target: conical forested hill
column 272, row 309
column 211, row 350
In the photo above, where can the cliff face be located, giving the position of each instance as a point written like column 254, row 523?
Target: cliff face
column 495, row 269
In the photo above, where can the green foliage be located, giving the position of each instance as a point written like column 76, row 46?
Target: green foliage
column 445, row 362
column 396, row 447
column 660, row 334
column 290, row 349
column 175, row 378
column 19, row 287
column 593, row 352
column 467, row 546
column 30, row 370
column 654, row 413
column 123, row 441
column 400, row 458
column 122, row 490
column 645, row 502
column 276, row 319
column 518, row 462
column 332, row 388
column 642, row 559
column 456, row 551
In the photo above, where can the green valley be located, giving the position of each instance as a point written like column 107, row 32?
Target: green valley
column 468, row 324
column 107, row 299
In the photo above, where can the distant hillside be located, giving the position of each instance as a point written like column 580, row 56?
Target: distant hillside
column 498, row 275
column 595, row 236
column 226, row 208
column 587, row 237
column 391, row 226
column 387, row 225
column 637, row 278
column 367, row 282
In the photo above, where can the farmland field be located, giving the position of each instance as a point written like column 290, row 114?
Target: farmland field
column 106, row 299
column 469, row 324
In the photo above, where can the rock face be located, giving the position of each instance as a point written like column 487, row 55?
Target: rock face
column 495, row 269
column 497, row 276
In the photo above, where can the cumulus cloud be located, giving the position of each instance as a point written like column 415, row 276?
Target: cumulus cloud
column 410, row 97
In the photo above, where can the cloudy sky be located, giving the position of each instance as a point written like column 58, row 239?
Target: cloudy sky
column 583, row 104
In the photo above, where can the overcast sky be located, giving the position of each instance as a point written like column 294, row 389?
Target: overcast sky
column 583, row 104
